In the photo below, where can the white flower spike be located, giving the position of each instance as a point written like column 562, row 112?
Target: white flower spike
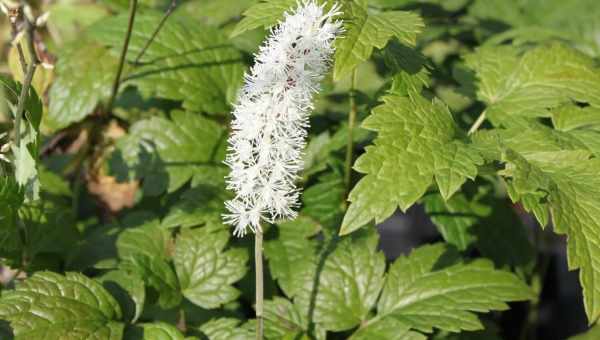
column 271, row 116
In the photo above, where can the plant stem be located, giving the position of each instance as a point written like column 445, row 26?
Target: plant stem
column 170, row 10
column 350, row 145
column 117, row 82
column 258, row 261
column 477, row 123
column 26, row 83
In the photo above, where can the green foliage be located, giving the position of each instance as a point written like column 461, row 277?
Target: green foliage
column 483, row 114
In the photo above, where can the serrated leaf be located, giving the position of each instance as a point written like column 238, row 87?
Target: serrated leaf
column 142, row 235
column 226, row 329
column 417, row 143
column 83, row 78
column 283, row 320
column 366, row 31
column 565, row 186
column 153, row 331
column 175, row 150
column 526, row 85
column 182, row 59
column 52, row 306
column 128, row 289
column 157, row 273
column 348, row 284
column 387, row 328
column 423, row 293
column 200, row 205
column 206, row 272
column 292, row 254
column 265, row 14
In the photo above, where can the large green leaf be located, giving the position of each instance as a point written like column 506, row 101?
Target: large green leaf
column 53, row 306
column 426, row 290
column 526, row 85
column 418, row 141
column 168, row 153
column 84, row 76
column 365, row 31
column 187, row 61
column 206, row 272
column 128, row 289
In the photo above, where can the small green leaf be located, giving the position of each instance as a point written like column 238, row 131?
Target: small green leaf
column 365, row 31
column 264, row 13
column 424, row 291
column 128, row 289
column 157, row 273
column 52, row 306
column 283, row 320
column 206, row 272
column 142, row 235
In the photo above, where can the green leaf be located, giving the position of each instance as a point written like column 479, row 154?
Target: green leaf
column 128, row 289
column 348, row 284
column 200, row 205
column 264, row 13
column 206, row 272
column 226, row 329
column 424, row 291
column 157, row 273
column 53, row 306
column 526, row 85
column 292, row 254
column 142, row 235
column 365, row 31
column 181, row 61
column 83, row 79
column 418, row 141
column 283, row 320
column 176, row 149
column 153, row 331
column 386, row 328
column 564, row 185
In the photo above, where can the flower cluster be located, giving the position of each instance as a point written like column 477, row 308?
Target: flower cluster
column 271, row 117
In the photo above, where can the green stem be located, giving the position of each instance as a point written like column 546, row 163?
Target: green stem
column 117, row 81
column 26, row 84
column 258, row 261
column 170, row 10
column 350, row 143
column 477, row 123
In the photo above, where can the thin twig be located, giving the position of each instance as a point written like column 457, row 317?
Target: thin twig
column 350, row 145
column 117, row 82
column 258, row 261
column 170, row 10
column 477, row 123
